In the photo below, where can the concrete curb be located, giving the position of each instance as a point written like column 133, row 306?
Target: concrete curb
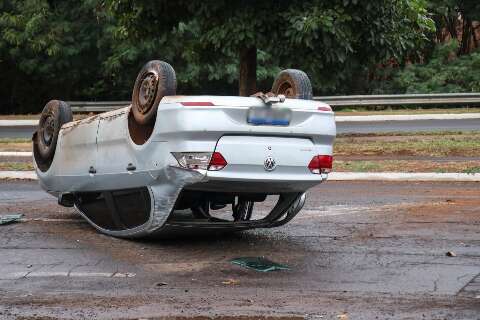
column 408, row 117
column 18, row 123
column 334, row 176
column 15, row 154
column 18, row 175
column 403, row 176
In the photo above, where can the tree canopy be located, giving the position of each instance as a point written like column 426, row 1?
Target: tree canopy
column 335, row 42
column 92, row 49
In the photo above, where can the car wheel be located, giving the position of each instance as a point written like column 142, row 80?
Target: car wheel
column 54, row 115
column 155, row 80
column 242, row 210
column 294, row 84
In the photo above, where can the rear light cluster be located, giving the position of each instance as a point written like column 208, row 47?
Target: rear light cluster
column 217, row 162
column 321, row 164
column 200, row 160
column 324, row 108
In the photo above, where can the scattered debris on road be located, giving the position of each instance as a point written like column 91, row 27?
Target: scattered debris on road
column 259, row 264
column 451, row 254
column 161, row 284
column 10, row 218
column 231, row 282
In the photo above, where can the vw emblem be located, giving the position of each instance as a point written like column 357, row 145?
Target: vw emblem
column 269, row 164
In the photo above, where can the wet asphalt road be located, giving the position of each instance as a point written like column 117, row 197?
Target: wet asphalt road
column 342, row 127
column 16, row 132
column 409, row 126
column 365, row 250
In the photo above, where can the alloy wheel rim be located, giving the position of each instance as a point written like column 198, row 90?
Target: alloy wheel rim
column 147, row 92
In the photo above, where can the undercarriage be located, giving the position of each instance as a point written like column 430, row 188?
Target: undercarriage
column 194, row 212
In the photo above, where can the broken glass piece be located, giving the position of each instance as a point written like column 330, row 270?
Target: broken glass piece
column 259, row 264
column 10, row 218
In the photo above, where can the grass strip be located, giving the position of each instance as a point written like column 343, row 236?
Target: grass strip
column 471, row 167
column 439, row 145
column 16, row 166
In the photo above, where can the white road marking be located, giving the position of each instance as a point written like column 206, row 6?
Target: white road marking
column 65, row 274
column 123, row 275
column 37, row 274
column 91, row 274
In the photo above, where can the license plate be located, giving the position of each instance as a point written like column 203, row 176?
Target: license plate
column 269, row 116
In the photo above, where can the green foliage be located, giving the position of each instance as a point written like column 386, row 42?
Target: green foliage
column 48, row 49
column 335, row 42
column 93, row 49
column 469, row 8
column 443, row 73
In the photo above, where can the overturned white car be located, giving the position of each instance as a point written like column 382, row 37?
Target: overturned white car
column 168, row 163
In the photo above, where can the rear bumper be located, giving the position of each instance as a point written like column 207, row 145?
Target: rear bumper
column 215, row 182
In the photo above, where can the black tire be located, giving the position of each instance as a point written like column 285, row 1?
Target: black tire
column 242, row 210
column 55, row 114
column 156, row 80
column 294, row 84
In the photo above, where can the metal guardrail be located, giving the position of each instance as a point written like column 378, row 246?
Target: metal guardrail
column 454, row 99
column 403, row 99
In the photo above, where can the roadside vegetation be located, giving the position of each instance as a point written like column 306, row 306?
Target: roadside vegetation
column 440, row 144
column 11, row 144
column 401, row 152
column 16, row 166
column 470, row 167
column 409, row 152
column 92, row 49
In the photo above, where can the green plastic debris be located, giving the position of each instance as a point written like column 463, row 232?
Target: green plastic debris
column 259, row 264
column 10, row 218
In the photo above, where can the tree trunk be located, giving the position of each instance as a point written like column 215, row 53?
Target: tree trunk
column 466, row 36
column 474, row 33
column 451, row 24
column 247, row 81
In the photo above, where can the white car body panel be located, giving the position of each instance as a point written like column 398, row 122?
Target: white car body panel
column 103, row 143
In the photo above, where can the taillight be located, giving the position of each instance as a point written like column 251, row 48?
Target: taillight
column 321, row 164
column 324, row 108
column 193, row 160
column 200, row 160
column 217, row 162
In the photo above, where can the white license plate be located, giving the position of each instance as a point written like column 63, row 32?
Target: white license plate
column 269, row 116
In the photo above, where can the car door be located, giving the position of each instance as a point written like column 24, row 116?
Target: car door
column 114, row 159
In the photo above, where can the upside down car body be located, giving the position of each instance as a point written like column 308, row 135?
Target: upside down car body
column 166, row 163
